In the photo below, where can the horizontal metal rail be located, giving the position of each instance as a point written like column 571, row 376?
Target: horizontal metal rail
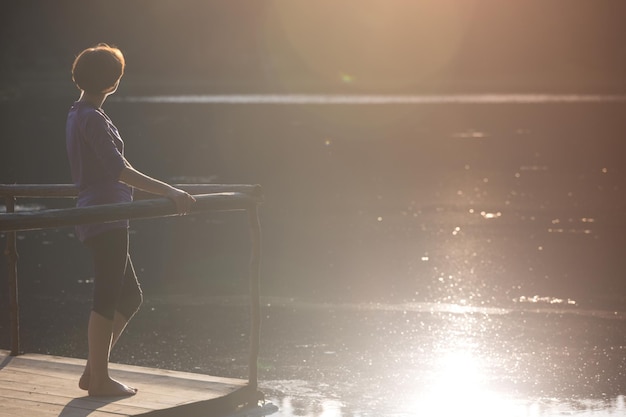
column 70, row 191
column 161, row 207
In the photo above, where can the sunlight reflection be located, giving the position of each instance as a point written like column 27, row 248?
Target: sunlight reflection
column 459, row 389
column 331, row 408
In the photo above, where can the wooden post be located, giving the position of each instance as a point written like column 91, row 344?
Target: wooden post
column 11, row 253
column 255, row 303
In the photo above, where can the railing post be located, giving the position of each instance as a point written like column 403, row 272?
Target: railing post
column 12, row 256
column 255, row 303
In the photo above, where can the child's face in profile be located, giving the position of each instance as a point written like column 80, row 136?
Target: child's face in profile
column 112, row 89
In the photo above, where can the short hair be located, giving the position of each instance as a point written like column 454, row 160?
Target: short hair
column 98, row 69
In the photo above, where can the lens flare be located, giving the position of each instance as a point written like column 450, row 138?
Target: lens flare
column 365, row 42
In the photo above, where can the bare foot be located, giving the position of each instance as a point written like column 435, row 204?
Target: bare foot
column 83, row 382
column 110, row 388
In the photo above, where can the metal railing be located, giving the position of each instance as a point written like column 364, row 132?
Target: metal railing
column 209, row 197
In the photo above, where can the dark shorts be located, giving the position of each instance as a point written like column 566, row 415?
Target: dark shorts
column 115, row 284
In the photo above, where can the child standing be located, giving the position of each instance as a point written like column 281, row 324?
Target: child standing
column 103, row 175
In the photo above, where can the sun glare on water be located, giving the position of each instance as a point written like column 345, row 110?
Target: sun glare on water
column 459, row 389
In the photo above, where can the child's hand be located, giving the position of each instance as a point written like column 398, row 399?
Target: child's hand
column 183, row 200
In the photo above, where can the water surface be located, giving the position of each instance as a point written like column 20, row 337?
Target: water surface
column 455, row 255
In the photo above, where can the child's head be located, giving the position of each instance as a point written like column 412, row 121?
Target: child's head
column 98, row 69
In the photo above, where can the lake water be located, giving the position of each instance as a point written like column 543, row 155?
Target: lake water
column 423, row 255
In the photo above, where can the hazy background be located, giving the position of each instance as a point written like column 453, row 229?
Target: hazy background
column 348, row 46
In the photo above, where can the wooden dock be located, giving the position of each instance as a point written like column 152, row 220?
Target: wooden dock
column 42, row 386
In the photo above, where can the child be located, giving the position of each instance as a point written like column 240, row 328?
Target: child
column 102, row 175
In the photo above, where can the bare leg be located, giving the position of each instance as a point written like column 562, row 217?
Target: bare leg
column 119, row 324
column 100, row 337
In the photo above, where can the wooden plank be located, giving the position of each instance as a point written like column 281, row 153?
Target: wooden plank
column 45, row 393
column 41, row 385
column 19, row 408
column 23, row 399
column 70, row 371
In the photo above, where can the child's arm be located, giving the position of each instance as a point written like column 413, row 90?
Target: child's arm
column 136, row 179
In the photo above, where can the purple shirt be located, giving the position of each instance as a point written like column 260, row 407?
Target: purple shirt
column 95, row 151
